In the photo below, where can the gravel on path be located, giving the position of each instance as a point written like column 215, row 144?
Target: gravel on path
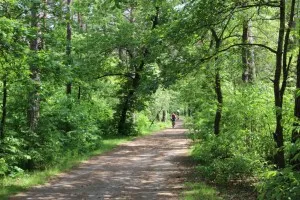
column 152, row 167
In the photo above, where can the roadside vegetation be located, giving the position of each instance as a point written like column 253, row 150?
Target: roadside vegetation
column 14, row 183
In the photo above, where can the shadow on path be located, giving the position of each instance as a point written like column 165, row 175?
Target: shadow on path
column 152, row 167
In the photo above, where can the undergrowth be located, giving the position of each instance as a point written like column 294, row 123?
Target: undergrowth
column 23, row 180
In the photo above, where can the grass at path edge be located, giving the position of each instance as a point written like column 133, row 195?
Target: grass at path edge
column 10, row 186
column 195, row 191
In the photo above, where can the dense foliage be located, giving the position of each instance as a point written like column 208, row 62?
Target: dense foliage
column 75, row 71
column 242, row 87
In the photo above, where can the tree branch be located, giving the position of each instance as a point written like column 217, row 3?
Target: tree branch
column 254, row 44
column 127, row 75
column 235, row 45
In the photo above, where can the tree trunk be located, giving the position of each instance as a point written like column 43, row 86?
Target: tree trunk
column 218, row 88
column 129, row 101
column 163, row 119
column 278, row 135
column 218, row 91
column 248, row 54
column 4, row 100
column 44, row 18
column 122, row 129
column 80, row 23
column 281, row 66
column 69, row 45
column 33, row 111
column 79, row 93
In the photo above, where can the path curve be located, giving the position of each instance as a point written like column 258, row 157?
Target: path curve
column 152, row 167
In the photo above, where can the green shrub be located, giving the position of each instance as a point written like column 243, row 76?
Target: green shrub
column 65, row 125
column 228, row 169
column 3, row 167
column 221, row 161
column 279, row 185
column 142, row 122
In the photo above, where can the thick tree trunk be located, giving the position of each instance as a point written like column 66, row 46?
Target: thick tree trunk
column 248, row 54
column 4, row 100
column 122, row 121
column 129, row 101
column 69, row 44
column 34, row 102
column 33, row 111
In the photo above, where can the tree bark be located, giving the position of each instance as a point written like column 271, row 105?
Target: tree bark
column 125, row 107
column 248, row 53
column 69, row 45
column 4, row 100
column 33, row 111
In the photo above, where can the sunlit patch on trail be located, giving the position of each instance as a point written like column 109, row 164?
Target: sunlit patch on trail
column 147, row 168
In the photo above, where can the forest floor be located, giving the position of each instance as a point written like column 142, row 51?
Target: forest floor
column 153, row 167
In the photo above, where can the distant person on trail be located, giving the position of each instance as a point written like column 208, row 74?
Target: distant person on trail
column 173, row 119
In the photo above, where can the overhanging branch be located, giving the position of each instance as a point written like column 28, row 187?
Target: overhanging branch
column 127, row 75
column 254, row 44
column 236, row 45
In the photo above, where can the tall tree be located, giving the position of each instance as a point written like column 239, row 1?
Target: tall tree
column 69, row 44
column 281, row 73
column 33, row 111
column 137, row 57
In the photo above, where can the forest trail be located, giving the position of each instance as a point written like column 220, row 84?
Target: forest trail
column 152, row 167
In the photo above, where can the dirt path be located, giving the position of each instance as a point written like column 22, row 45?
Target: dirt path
column 153, row 167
